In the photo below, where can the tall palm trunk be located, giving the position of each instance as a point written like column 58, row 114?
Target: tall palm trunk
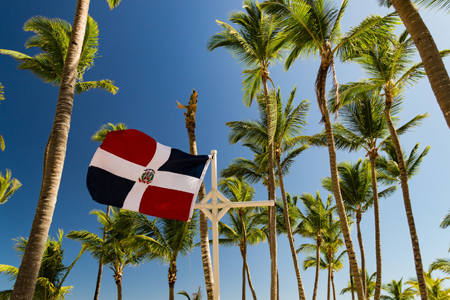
column 330, row 270
column 373, row 155
column 243, row 251
column 316, row 281
column 100, row 263
column 118, row 279
column 301, row 291
column 172, row 277
column 250, row 284
column 429, row 53
column 321, row 83
column 272, row 209
column 243, row 273
column 332, row 284
column 352, row 285
column 54, row 161
column 406, row 198
column 204, row 238
column 245, row 268
column 362, row 252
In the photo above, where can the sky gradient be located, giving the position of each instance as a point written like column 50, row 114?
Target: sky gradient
column 155, row 51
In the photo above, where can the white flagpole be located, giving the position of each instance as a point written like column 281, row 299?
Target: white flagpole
column 214, row 215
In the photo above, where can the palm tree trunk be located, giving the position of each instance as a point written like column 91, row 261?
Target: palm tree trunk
column 118, row 279
column 301, row 291
column 100, row 263
column 429, row 53
column 53, row 166
column 204, row 244
column 243, row 273
column 406, row 199
column 250, row 280
column 363, row 253
column 272, row 209
column 332, row 283
column 316, row 281
column 376, row 208
column 172, row 278
column 321, row 83
column 204, row 238
column 330, row 269
column 352, row 285
column 243, row 250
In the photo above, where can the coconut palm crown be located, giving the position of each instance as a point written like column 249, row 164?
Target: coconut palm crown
column 52, row 38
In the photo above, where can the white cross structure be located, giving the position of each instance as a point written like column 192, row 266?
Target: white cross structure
column 211, row 210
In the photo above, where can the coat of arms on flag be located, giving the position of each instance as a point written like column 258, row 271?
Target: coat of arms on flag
column 131, row 170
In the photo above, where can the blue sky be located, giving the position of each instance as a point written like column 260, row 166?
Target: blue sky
column 156, row 53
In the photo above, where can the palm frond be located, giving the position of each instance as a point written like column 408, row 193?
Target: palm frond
column 113, row 3
column 443, row 5
column 104, row 84
column 445, row 221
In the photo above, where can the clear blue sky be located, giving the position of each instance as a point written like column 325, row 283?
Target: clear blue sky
column 156, row 53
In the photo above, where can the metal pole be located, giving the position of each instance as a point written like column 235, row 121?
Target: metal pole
column 215, row 226
column 215, row 216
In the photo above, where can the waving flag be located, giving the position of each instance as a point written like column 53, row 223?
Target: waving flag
column 131, row 170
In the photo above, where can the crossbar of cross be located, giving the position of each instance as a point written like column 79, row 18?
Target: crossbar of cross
column 211, row 210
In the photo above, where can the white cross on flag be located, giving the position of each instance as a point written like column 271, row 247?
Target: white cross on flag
column 131, row 170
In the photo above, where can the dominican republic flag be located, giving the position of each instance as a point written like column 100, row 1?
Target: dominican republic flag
column 131, row 170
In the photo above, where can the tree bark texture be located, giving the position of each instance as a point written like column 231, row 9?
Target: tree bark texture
column 172, row 277
column 204, row 237
column 362, row 252
column 429, row 53
column 100, row 263
column 118, row 280
column 53, row 162
column 406, row 199
column 330, row 270
column 316, row 281
column 376, row 209
column 321, row 83
column 272, row 209
column 301, row 291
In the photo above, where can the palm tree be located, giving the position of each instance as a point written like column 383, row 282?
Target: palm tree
column 389, row 65
column 428, row 51
column 52, row 38
column 8, row 186
column 396, row 291
column 312, row 27
column 356, row 189
column 190, row 114
column 244, row 225
column 256, row 44
column 195, row 296
column 364, row 126
column 162, row 239
column 99, row 136
column 289, row 123
column 331, row 243
column 237, row 190
column 52, row 272
column 435, row 287
column 326, row 264
column 56, row 146
column 116, row 250
column 315, row 224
